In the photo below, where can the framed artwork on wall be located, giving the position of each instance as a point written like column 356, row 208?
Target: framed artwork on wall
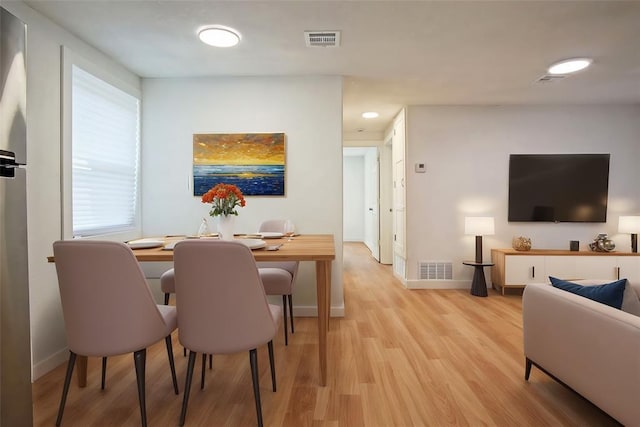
column 254, row 162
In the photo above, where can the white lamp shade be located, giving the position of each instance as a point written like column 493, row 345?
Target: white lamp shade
column 479, row 225
column 629, row 224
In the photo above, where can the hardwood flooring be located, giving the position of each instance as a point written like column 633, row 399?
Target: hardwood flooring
column 398, row 358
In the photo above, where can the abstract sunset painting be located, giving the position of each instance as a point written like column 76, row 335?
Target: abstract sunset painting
column 255, row 162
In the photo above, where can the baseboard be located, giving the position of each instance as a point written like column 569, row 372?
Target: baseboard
column 438, row 284
column 50, row 363
column 312, row 311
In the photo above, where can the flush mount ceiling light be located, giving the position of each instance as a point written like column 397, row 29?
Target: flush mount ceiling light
column 219, row 36
column 568, row 66
column 370, row 115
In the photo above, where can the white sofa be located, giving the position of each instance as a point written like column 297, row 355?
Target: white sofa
column 590, row 347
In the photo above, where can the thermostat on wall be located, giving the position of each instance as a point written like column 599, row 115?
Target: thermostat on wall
column 421, row 168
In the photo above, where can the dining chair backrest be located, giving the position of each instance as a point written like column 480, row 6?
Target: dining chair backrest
column 221, row 303
column 277, row 226
column 273, row 225
column 107, row 305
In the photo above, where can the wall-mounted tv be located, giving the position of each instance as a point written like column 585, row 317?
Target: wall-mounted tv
column 558, row 187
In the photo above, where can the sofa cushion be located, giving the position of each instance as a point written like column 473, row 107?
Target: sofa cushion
column 630, row 299
column 610, row 294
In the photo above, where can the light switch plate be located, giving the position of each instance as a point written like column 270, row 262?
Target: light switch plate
column 421, row 168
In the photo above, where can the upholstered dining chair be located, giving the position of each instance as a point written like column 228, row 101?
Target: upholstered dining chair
column 278, row 277
column 108, row 309
column 168, row 287
column 222, row 307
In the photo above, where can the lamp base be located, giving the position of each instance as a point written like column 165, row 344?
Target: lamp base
column 478, row 248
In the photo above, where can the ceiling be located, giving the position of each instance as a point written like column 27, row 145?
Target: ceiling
column 392, row 53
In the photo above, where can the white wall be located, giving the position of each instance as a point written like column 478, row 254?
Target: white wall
column 466, row 151
column 307, row 109
column 44, row 39
column 353, row 198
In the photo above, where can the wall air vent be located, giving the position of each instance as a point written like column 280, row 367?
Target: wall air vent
column 435, row 270
column 549, row 78
column 322, row 38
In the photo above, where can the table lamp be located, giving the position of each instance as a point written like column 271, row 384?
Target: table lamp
column 630, row 224
column 479, row 226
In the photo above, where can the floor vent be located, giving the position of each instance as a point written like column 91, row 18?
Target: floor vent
column 435, row 270
column 322, row 38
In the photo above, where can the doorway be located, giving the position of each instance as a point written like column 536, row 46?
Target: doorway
column 362, row 188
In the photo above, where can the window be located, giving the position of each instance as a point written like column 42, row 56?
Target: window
column 105, row 147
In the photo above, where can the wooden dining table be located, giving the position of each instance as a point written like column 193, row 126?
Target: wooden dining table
column 319, row 248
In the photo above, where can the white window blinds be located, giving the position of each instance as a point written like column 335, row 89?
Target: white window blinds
column 105, row 156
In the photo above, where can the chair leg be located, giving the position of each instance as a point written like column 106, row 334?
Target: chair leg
column 291, row 312
column 211, row 361
column 139, row 359
column 253, row 360
column 166, row 299
column 187, row 386
column 284, row 312
column 65, row 388
column 104, row 372
column 527, row 369
column 172, row 365
column 204, row 363
column 272, row 365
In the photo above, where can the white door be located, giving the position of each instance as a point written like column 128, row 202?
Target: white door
column 399, row 192
column 372, row 204
column 385, row 213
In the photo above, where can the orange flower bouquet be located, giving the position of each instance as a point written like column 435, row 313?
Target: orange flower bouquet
column 224, row 199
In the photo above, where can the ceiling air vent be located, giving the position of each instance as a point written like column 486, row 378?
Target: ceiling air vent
column 548, row 78
column 322, row 38
column 435, row 270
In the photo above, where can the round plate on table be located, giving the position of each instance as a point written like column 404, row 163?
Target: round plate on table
column 271, row 235
column 253, row 243
column 145, row 243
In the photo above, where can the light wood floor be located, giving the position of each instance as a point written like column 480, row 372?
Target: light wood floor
column 397, row 358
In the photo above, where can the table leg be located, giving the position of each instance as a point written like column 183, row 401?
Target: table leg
column 323, row 289
column 81, row 370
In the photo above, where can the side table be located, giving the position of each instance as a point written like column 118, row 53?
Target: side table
column 478, row 284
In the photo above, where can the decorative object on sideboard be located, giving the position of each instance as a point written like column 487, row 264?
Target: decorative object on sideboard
column 574, row 245
column 602, row 243
column 631, row 225
column 479, row 226
column 521, row 243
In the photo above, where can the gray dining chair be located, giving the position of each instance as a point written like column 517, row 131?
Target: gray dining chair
column 108, row 309
column 278, row 277
column 222, row 307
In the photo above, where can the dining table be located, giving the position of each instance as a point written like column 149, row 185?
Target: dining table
column 318, row 248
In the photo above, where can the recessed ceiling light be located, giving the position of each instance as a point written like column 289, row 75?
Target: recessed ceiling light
column 219, row 36
column 569, row 66
column 370, row 115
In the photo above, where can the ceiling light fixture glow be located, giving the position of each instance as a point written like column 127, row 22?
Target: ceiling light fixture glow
column 370, row 115
column 219, row 36
column 568, row 66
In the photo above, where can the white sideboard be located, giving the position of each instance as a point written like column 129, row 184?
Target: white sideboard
column 514, row 269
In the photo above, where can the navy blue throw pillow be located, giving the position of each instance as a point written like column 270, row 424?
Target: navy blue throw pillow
column 610, row 293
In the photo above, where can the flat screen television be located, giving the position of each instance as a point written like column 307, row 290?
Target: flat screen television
column 558, row 187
